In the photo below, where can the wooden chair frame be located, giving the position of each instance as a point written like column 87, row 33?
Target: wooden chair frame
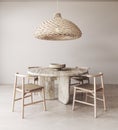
column 26, row 90
column 92, row 92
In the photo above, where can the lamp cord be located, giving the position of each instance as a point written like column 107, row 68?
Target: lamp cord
column 57, row 6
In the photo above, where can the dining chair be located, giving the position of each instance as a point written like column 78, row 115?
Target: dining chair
column 80, row 79
column 26, row 91
column 93, row 91
column 33, row 78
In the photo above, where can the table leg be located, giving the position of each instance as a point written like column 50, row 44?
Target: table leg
column 63, row 89
column 50, row 88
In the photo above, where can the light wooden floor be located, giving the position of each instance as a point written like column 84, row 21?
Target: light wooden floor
column 58, row 116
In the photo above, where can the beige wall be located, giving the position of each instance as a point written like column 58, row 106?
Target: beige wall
column 97, row 48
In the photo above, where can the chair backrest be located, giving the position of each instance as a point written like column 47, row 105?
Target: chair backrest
column 84, row 68
column 97, row 78
column 20, row 75
column 94, row 75
column 19, row 79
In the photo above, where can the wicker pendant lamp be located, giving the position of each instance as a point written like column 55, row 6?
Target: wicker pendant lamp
column 58, row 29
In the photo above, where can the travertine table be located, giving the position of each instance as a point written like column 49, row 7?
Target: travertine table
column 48, row 77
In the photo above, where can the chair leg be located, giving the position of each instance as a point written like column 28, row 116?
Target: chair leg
column 32, row 97
column 104, row 101
column 13, row 102
column 74, row 95
column 35, row 82
column 44, row 101
column 88, row 81
column 22, row 105
column 86, row 97
column 95, row 112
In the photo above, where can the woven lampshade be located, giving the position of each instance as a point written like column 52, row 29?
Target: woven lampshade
column 58, row 29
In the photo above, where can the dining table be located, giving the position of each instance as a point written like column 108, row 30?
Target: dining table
column 56, row 81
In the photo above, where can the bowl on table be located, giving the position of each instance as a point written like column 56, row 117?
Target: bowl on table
column 57, row 66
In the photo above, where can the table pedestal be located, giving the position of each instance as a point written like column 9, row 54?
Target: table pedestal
column 51, row 91
column 63, row 89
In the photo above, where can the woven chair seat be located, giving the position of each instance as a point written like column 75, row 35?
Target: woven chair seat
column 31, row 87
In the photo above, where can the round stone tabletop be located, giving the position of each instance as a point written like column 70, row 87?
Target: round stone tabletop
column 46, row 71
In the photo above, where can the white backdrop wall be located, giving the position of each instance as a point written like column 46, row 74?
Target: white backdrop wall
column 97, row 48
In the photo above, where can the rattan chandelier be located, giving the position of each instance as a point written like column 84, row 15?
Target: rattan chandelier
column 57, row 28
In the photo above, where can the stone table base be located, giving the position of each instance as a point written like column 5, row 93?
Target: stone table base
column 51, row 90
